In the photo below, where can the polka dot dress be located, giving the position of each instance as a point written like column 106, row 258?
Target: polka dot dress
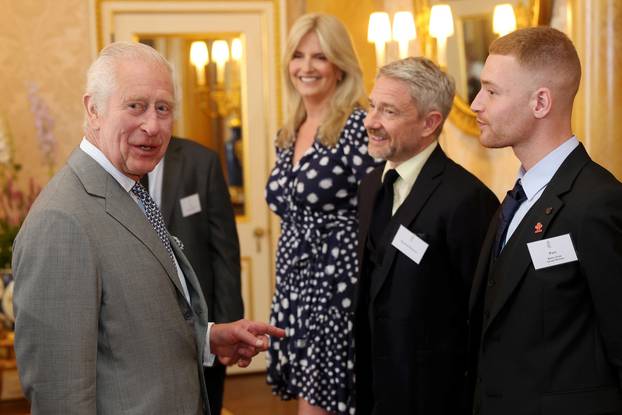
column 316, row 269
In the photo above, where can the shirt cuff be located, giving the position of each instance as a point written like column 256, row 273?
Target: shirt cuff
column 208, row 357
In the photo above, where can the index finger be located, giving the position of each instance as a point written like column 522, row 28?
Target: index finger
column 259, row 328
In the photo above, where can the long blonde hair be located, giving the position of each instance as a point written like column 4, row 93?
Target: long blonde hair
column 337, row 46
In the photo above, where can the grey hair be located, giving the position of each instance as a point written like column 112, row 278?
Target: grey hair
column 430, row 88
column 101, row 75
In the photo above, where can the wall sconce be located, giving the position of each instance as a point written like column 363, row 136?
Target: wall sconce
column 220, row 55
column 199, row 58
column 403, row 31
column 503, row 19
column 224, row 91
column 441, row 27
column 379, row 32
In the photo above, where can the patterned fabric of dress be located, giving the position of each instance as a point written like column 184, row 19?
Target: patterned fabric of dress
column 316, row 268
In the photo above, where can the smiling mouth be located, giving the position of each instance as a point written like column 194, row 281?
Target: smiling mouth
column 308, row 79
column 377, row 138
column 146, row 147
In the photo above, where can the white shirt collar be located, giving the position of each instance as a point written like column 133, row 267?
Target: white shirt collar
column 101, row 159
column 409, row 170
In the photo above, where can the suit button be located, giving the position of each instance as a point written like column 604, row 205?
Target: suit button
column 486, row 314
column 491, row 282
column 468, row 322
column 466, row 373
column 187, row 314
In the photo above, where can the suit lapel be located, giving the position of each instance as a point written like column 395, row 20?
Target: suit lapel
column 425, row 185
column 120, row 205
column 173, row 166
column 368, row 192
column 483, row 263
column 194, row 287
column 514, row 261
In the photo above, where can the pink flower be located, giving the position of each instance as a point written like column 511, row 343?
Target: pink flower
column 44, row 123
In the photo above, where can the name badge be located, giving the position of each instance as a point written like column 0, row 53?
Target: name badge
column 552, row 251
column 190, row 205
column 409, row 244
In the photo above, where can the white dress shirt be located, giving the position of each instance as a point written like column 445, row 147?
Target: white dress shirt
column 155, row 182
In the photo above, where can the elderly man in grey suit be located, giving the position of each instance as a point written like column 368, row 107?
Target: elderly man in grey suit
column 110, row 317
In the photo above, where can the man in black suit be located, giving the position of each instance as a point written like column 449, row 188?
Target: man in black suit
column 189, row 186
column 546, row 301
column 422, row 221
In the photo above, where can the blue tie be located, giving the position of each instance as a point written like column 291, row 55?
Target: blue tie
column 509, row 206
column 154, row 216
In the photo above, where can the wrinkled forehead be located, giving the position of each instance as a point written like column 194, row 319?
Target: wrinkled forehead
column 391, row 91
column 139, row 76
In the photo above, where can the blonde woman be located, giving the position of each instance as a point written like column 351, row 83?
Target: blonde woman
column 321, row 157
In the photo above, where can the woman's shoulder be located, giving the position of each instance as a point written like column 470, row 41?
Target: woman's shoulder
column 354, row 129
column 356, row 116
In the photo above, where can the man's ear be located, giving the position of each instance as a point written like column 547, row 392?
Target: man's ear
column 431, row 122
column 541, row 102
column 92, row 112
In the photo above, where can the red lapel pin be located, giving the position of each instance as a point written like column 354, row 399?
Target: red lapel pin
column 538, row 228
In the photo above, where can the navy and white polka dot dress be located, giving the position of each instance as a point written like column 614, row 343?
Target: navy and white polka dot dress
column 316, row 268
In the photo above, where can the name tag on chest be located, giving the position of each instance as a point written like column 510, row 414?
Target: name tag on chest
column 409, row 244
column 552, row 251
column 190, row 205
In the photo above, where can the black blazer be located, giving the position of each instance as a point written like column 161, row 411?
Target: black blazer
column 210, row 236
column 552, row 339
column 411, row 324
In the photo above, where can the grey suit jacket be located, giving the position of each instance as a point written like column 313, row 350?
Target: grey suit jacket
column 101, row 324
column 210, row 236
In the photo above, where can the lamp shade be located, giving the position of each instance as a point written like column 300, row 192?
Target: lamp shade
column 379, row 28
column 220, row 51
column 198, row 54
column 236, row 49
column 503, row 19
column 404, row 26
column 441, row 21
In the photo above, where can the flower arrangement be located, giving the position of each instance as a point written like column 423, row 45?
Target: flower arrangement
column 14, row 205
column 14, row 202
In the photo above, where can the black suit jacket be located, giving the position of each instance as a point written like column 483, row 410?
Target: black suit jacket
column 552, row 338
column 210, row 237
column 411, row 324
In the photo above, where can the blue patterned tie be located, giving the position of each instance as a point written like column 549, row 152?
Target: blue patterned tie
column 154, row 216
column 509, row 206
